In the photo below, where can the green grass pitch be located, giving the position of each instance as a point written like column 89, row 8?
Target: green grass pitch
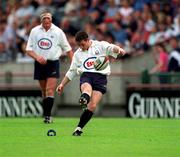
column 102, row 137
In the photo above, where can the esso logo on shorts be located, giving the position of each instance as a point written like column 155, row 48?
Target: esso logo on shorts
column 89, row 63
column 45, row 43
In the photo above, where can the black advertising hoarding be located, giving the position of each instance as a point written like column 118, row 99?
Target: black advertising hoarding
column 153, row 103
column 20, row 103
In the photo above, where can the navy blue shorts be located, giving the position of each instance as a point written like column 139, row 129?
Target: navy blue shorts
column 42, row 72
column 96, row 80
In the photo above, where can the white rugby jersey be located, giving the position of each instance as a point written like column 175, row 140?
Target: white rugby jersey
column 84, row 60
column 48, row 44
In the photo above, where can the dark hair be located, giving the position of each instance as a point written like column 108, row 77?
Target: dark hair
column 173, row 38
column 161, row 45
column 81, row 35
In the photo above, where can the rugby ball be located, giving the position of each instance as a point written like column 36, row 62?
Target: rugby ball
column 101, row 63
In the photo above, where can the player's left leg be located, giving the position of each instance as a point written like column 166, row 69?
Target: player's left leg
column 88, row 113
column 49, row 100
column 85, row 97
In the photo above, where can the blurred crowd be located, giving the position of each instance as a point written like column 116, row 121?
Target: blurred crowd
column 135, row 25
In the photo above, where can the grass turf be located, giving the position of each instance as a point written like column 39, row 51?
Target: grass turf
column 102, row 137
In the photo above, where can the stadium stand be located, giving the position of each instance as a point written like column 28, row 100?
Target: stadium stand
column 136, row 25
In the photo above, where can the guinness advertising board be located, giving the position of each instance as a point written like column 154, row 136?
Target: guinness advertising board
column 20, row 103
column 153, row 103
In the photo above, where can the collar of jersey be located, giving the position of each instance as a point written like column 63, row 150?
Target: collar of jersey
column 92, row 44
column 52, row 26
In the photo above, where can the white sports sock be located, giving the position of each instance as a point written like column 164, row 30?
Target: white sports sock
column 78, row 128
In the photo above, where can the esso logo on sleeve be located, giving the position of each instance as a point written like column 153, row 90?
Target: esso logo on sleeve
column 89, row 63
column 45, row 43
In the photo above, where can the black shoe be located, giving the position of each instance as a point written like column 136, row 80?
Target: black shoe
column 83, row 103
column 77, row 133
column 48, row 120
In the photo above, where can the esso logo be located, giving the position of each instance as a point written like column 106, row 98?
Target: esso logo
column 89, row 63
column 45, row 43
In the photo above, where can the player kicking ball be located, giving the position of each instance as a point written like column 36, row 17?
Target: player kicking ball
column 88, row 62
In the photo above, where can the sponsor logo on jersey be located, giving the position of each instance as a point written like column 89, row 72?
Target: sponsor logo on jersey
column 89, row 63
column 45, row 43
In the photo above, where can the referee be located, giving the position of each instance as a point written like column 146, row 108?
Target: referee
column 45, row 45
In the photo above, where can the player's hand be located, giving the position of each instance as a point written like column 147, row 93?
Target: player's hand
column 60, row 88
column 122, row 52
column 79, row 71
column 41, row 60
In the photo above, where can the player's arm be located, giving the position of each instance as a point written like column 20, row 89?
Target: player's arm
column 36, row 57
column 119, row 50
column 30, row 52
column 70, row 55
column 157, row 67
column 65, row 45
column 115, row 51
column 112, row 49
column 61, row 86
column 69, row 75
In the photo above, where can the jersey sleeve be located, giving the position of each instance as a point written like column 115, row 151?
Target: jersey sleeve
column 65, row 46
column 72, row 72
column 108, row 49
column 30, row 43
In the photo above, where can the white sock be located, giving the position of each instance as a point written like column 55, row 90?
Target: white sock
column 78, row 128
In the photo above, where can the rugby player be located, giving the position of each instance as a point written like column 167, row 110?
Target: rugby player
column 45, row 45
column 92, row 82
